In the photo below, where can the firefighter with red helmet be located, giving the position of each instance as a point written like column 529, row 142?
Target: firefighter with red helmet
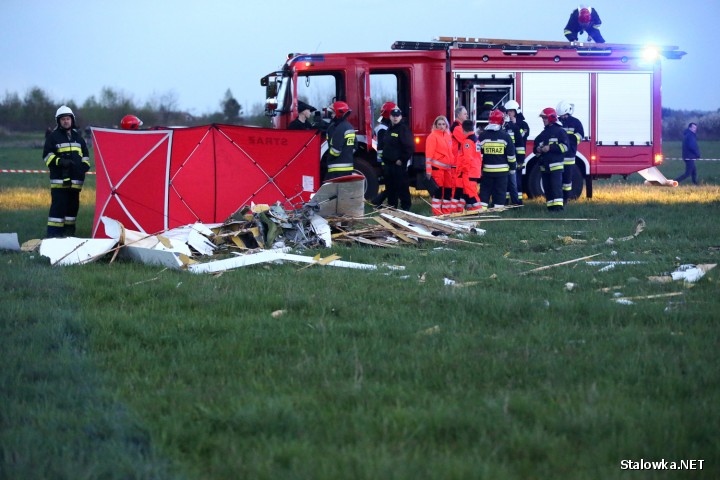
column 498, row 152
column 575, row 131
column 341, row 142
column 397, row 153
column 130, row 122
column 379, row 137
column 584, row 19
column 67, row 158
column 551, row 145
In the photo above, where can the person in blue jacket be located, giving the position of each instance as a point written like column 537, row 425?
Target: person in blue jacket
column 690, row 153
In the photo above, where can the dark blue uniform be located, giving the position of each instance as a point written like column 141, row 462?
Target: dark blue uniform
column 498, row 152
column 551, row 163
column 574, row 129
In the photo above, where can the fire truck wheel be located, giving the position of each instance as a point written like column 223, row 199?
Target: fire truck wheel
column 534, row 182
column 535, row 188
column 578, row 182
column 362, row 167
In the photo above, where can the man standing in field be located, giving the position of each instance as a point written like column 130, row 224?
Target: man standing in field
column 66, row 156
column 690, row 153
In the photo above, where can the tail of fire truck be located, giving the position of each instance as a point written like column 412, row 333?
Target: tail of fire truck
column 615, row 91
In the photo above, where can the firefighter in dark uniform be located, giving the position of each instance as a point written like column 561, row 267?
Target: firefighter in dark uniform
column 551, row 146
column 515, row 115
column 398, row 149
column 512, row 129
column 66, row 156
column 584, row 19
column 379, row 135
column 574, row 129
column 341, row 142
column 498, row 152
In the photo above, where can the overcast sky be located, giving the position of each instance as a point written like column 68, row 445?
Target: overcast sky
column 196, row 50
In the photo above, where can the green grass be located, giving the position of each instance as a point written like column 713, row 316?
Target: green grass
column 127, row 371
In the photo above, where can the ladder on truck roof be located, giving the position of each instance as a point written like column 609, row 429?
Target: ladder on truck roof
column 529, row 46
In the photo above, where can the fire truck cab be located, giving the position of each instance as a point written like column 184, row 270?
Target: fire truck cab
column 615, row 91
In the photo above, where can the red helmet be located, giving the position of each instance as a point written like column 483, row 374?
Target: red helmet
column 584, row 15
column 386, row 109
column 550, row 113
column 130, row 122
column 341, row 109
column 497, row 117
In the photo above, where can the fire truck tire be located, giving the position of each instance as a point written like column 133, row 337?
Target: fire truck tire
column 535, row 188
column 362, row 167
column 534, row 182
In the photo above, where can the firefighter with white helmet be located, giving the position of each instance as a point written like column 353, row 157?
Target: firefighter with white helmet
column 551, row 146
column 512, row 129
column 341, row 142
column 515, row 115
column 575, row 132
column 498, row 152
column 66, row 156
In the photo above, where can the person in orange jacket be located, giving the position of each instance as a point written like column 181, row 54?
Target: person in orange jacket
column 440, row 164
column 457, row 197
column 469, row 163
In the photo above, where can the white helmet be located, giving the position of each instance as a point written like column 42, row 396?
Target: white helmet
column 512, row 105
column 565, row 108
column 64, row 110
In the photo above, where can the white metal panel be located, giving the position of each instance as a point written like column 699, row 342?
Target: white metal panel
column 624, row 108
column 546, row 89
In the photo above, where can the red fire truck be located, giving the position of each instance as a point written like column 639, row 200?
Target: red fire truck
column 615, row 90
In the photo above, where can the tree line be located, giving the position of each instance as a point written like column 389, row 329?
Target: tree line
column 34, row 112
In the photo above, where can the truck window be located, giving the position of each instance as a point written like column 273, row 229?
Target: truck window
column 383, row 88
column 320, row 90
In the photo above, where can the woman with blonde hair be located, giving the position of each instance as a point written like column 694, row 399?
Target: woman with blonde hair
column 439, row 165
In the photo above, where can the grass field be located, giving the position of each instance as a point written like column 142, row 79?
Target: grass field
column 116, row 371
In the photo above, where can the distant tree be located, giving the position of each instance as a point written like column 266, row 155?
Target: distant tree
column 231, row 108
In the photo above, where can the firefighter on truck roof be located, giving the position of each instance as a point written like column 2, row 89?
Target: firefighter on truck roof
column 341, row 142
column 551, row 145
column 498, row 151
column 584, row 19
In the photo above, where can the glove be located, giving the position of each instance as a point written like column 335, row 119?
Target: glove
column 85, row 167
column 65, row 163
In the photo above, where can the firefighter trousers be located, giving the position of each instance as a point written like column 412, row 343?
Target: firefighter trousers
column 493, row 188
column 512, row 190
column 552, row 185
column 567, row 179
column 64, row 206
column 397, row 185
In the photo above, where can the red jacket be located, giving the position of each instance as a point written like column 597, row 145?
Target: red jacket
column 469, row 159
